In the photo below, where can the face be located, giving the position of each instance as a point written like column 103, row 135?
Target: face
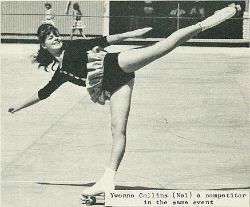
column 53, row 43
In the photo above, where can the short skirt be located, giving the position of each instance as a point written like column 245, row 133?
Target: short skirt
column 48, row 21
column 105, row 76
column 78, row 24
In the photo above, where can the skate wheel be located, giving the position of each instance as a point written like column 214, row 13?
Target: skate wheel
column 89, row 200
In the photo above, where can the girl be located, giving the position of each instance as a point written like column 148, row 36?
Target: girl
column 77, row 24
column 107, row 75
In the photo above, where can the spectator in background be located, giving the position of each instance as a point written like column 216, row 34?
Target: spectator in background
column 67, row 7
column 174, row 12
column 197, row 11
column 49, row 14
column 77, row 24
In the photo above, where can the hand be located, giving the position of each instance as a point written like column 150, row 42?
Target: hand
column 12, row 110
column 138, row 32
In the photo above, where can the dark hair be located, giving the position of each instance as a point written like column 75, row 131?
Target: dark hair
column 47, row 4
column 76, row 6
column 44, row 30
column 43, row 56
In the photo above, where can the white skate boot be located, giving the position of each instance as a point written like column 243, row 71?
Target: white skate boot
column 97, row 191
column 219, row 16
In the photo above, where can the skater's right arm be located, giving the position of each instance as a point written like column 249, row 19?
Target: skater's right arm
column 57, row 80
column 33, row 100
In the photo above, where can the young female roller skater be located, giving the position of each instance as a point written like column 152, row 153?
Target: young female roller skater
column 78, row 23
column 107, row 75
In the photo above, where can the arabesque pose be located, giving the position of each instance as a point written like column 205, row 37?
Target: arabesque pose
column 107, row 76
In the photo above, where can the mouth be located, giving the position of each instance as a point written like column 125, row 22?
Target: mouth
column 57, row 42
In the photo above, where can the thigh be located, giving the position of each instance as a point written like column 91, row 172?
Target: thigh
column 120, row 105
column 134, row 59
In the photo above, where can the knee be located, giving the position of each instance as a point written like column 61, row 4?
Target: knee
column 117, row 131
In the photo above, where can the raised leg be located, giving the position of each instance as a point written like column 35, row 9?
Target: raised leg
column 132, row 60
column 135, row 59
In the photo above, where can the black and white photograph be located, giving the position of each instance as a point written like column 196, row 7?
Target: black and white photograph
column 113, row 98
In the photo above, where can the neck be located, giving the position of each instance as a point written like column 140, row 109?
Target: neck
column 56, row 53
column 59, row 57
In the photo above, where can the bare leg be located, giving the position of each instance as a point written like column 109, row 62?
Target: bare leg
column 135, row 59
column 119, row 107
column 72, row 34
column 81, row 32
column 132, row 60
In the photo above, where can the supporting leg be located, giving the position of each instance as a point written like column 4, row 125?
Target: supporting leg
column 81, row 32
column 72, row 34
column 119, row 106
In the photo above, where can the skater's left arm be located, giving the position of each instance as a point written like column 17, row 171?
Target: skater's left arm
column 123, row 36
column 111, row 39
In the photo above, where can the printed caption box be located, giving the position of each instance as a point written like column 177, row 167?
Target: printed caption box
column 178, row 198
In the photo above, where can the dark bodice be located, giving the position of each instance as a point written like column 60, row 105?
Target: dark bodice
column 74, row 65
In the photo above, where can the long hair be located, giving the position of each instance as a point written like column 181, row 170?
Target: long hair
column 76, row 6
column 43, row 56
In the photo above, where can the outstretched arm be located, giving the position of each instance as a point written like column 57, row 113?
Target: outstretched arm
column 120, row 37
column 67, row 7
column 57, row 80
column 33, row 100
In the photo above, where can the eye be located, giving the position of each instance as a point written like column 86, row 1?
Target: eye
column 56, row 34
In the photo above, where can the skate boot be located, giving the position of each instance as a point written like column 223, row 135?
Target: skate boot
column 219, row 16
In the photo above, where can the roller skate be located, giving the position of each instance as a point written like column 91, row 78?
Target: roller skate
column 219, row 16
column 96, row 193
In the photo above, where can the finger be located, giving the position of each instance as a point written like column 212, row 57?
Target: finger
column 12, row 110
column 148, row 29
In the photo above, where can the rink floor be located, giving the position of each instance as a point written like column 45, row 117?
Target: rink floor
column 188, row 128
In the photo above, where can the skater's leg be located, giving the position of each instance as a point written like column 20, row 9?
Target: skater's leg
column 119, row 107
column 81, row 32
column 132, row 60
column 135, row 59
column 72, row 34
